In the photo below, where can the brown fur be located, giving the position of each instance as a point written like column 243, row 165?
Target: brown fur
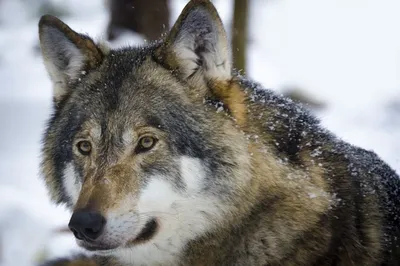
column 295, row 195
column 233, row 97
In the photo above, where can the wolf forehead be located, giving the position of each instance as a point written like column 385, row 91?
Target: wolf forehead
column 128, row 80
column 127, row 91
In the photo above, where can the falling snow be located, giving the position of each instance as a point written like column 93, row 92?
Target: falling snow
column 284, row 49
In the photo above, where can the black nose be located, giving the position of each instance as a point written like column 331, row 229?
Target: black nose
column 87, row 225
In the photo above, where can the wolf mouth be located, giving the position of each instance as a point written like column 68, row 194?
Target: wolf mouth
column 148, row 231
column 92, row 247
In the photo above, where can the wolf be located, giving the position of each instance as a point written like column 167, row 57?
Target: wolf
column 166, row 156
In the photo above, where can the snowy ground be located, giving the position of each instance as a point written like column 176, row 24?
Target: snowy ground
column 345, row 53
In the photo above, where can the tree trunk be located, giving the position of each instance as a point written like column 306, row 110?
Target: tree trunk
column 147, row 17
column 239, row 34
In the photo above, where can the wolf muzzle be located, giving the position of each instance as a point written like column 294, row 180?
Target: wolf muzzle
column 87, row 225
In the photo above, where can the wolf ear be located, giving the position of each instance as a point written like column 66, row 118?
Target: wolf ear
column 66, row 54
column 197, row 45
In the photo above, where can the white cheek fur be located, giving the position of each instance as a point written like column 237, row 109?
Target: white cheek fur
column 182, row 216
column 71, row 183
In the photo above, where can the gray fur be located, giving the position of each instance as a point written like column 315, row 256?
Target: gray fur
column 292, row 193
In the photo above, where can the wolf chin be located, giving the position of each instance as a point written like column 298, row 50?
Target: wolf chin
column 166, row 157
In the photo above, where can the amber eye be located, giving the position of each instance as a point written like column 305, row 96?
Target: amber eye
column 145, row 144
column 84, row 147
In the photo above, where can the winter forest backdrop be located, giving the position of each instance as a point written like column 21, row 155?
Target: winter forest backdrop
column 342, row 57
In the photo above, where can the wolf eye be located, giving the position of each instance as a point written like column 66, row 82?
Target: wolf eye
column 84, row 147
column 145, row 144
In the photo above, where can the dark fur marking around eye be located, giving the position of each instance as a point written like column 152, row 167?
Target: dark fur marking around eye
column 62, row 153
column 154, row 121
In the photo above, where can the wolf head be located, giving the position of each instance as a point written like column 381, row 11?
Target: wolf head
column 133, row 147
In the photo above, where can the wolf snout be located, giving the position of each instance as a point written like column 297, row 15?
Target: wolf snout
column 87, row 225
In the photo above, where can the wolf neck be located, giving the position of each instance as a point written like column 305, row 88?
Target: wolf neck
column 270, row 186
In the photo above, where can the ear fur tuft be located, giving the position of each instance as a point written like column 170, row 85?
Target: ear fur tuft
column 233, row 98
column 66, row 53
column 197, row 45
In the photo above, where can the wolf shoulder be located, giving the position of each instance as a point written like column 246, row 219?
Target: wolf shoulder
column 368, row 187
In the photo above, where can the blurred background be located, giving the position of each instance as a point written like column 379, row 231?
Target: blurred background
column 339, row 57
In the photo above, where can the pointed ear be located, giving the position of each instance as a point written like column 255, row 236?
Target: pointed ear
column 67, row 54
column 197, row 45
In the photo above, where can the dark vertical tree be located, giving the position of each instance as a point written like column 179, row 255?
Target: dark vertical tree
column 239, row 34
column 149, row 18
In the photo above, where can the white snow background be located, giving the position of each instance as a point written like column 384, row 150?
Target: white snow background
column 345, row 53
